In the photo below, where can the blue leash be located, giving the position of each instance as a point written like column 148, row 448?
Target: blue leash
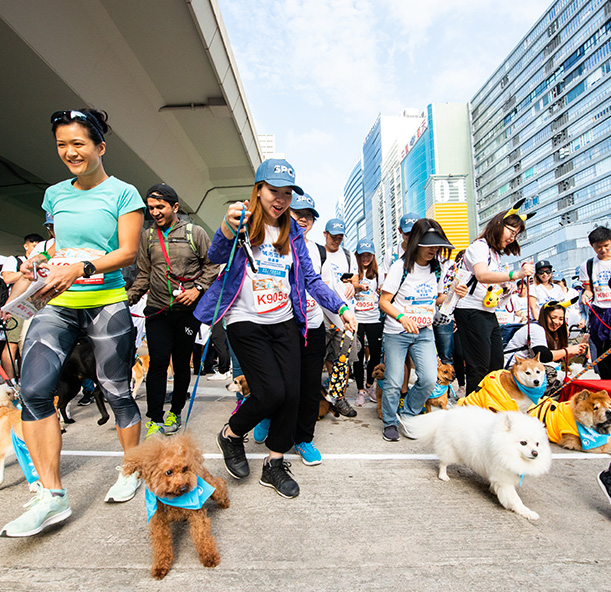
column 216, row 311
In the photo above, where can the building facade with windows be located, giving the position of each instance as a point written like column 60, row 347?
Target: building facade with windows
column 436, row 171
column 541, row 131
column 372, row 194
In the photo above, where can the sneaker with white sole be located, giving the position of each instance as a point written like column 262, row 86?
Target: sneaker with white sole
column 276, row 473
column 372, row 393
column 43, row 510
column 361, row 397
column 220, row 376
column 310, row 455
column 124, row 489
column 604, row 480
column 172, row 423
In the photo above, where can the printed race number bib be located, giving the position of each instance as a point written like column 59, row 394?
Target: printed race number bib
column 310, row 303
column 69, row 256
column 365, row 302
column 602, row 291
column 269, row 294
column 420, row 311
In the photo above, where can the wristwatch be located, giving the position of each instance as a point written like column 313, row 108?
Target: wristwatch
column 88, row 269
column 199, row 288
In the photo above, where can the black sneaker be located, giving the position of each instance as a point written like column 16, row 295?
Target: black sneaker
column 276, row 473
column 344, row 407
column 234, row 456
column 604, row 480
column 86, row 399
column 391, row 433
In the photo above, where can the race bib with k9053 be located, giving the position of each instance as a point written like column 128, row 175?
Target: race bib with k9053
column 270, row 286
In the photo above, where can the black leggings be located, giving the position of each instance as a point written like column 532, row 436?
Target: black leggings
column 374, row 341
column 312, row 360
column 170, row 333
column 270, row 359
column 482, row 344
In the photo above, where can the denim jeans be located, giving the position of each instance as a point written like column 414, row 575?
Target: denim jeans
column 421, row 348
column 444, row 340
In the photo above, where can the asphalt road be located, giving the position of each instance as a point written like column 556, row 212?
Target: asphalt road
column 372, row 516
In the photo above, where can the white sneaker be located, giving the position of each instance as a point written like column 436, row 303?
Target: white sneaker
column 125, row 487
column 44, row 510
column 218, row 376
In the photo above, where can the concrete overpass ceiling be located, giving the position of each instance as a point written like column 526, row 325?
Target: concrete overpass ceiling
column 143, row 61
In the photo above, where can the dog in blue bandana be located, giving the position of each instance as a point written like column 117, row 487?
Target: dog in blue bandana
column 177, row 485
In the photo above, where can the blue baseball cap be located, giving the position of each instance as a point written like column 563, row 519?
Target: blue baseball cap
column 335, row 226
column 278, row 173
column 303, row 202
column 365, row 246
column 407, row 222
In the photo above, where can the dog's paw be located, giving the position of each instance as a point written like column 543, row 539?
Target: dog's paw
column 159, row 572
column 529, row 514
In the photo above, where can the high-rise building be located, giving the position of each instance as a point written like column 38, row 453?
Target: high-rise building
column 372, row 189
column 542, row 132
column 436, row 171
column 267, row 143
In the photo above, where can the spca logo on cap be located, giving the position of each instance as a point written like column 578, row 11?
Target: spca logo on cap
column 337, row 225
column 281, row 169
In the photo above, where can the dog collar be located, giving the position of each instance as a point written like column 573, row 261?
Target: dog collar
column 534, row 393
column 590, row 438
column 192, row 500
column 441, row 389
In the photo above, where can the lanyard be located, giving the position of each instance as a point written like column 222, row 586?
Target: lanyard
column 164, row 250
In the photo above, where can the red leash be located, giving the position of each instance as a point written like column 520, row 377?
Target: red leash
column 596, row 315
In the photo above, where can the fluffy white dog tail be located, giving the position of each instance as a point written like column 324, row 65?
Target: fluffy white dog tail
column 423, row 427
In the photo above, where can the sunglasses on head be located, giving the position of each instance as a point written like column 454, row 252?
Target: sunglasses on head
column 77, row 116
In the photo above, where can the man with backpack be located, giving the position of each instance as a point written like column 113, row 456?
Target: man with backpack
column 10, row 274
column 173, row 267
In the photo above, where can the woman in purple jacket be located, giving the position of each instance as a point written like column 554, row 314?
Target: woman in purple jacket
column 264, row 311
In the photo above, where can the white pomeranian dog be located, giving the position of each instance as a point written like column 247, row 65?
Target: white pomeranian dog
column 501, row 447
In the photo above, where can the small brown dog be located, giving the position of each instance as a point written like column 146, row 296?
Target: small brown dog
column 10, row 416
column 170, row 468
column 591, row 409
column 139, row 372
column 378, row 375
column 445, row 375
column 239, row 385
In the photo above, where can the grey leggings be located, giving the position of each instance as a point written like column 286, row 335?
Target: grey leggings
column 50, row 339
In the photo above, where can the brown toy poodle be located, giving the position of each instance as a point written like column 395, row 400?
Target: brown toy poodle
column 170, row 468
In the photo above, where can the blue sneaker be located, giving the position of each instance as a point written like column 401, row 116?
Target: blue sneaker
column 310, row 455
column 261, row 430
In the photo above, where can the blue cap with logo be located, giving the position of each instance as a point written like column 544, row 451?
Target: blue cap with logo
column 278, row 173
column 407, row 222
column 335, row 226
column 365, row 246
column 303, row 202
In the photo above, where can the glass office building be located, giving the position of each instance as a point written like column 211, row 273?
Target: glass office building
column 542, row 132
column 354, row 207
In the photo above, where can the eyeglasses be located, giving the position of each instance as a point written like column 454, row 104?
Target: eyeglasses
column 513, row 233
column 305, row 215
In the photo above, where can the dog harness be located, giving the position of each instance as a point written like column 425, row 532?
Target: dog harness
column 440, row 390
column 490, row 394
column 192, row 500
column 559, row 419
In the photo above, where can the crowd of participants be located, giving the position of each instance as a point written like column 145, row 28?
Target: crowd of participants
column 278, row 306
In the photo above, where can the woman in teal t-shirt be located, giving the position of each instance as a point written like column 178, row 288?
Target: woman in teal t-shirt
column 98, row 220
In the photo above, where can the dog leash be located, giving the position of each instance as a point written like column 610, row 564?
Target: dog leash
column 216, row 311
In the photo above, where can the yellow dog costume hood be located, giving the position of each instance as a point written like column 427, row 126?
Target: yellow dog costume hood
column 490, row 394
column 557, row 421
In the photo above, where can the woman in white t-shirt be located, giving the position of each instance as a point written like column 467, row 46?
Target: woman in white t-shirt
column 543, row 290
column 480, row 334
column 262, row 296
column 549, row 337
column 409, row 296
column 366, row 288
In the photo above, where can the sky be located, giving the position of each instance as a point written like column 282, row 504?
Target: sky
column 316, row 73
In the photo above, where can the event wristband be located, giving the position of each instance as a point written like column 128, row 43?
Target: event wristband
column 45, row 255
column 342, row 310
column 227, row 224
column 510, row 275
column 398, row 317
